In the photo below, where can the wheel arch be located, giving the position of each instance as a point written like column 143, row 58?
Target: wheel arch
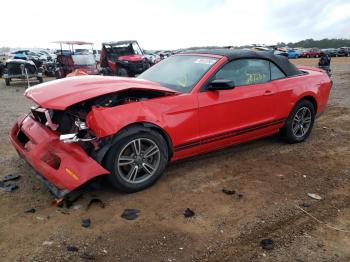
column 131, row 129
column 309, row 98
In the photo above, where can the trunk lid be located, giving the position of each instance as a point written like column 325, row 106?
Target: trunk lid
column 60, row 94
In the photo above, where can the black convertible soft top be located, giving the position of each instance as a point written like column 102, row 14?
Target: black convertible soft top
column 281, row 61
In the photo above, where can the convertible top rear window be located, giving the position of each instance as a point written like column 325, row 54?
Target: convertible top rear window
column 180, row 73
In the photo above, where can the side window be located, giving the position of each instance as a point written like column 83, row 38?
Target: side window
column 245, row 71
column 276, row 73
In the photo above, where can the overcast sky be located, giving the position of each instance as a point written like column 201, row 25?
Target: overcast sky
column 171, row 24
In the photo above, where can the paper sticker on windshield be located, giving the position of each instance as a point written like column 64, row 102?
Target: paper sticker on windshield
column 205, row 61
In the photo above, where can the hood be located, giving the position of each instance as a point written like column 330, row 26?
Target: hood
column 60, row 94
column 131, row 58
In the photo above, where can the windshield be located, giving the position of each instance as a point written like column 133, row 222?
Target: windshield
column 180, row 73
column 120, row 50
column 83, row 60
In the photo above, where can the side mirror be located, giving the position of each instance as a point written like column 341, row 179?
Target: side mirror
column 221, row 84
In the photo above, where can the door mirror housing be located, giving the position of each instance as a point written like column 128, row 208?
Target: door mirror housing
column 221, row 84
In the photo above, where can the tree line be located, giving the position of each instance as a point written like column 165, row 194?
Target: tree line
column 323, row 43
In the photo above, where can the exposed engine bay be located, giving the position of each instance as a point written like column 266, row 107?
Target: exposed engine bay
column 71, row 123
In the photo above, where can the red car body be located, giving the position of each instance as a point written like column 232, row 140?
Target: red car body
column 193, row 123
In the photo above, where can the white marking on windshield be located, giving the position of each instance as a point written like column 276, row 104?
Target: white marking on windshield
column 205, row 61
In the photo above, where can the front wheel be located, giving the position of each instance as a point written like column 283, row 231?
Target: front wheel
column 300, row 122
column 122, row 72
column 136, row 161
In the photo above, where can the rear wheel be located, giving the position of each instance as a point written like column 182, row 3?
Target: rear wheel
column 300, row 122
column 137, row 161
column 7, row 81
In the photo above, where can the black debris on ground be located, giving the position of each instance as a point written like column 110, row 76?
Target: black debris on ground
column 87, row 256
column 229, row 191
column 305, row 205
column 86, row 222
column 71, row 199
column 130, row 214
column 30, row 210
column 267, row 244
column 239, row 195
column 189, row 213
column 10, row 187
column 63, row 211
column 11, row 177
column 72, row 248
column 95, row 201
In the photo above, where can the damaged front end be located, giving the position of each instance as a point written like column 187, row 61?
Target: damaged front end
column 61, row 166
column 60, row 145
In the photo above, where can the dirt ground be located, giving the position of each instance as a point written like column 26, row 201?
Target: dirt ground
column 272, row 177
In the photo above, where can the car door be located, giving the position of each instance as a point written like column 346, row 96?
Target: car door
column 228, row 116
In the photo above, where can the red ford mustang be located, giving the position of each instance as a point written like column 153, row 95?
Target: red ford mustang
column 191, row 103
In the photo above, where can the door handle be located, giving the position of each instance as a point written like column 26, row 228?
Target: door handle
column 268, row 92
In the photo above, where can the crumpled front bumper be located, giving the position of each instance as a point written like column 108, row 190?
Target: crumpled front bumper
column 63, row 167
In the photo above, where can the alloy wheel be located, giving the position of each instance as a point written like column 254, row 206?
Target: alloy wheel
column 138, row 160
column 301, row 122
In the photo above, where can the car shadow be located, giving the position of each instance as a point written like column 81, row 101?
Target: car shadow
column 101, row 186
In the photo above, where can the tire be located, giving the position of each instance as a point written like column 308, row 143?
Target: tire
column 301, row 134
column 7, row 81
column 40, row 79
column 307, row 56
column 58, row 74
column 121, row 72
column 128, row 176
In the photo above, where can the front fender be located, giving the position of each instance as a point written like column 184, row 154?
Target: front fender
column 107, row 121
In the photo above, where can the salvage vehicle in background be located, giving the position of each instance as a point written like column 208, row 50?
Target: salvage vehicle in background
column 72, row 59
column 187, row 104
column 343, row 51
column 3, row 57
column 331, row 52
column 21, row 69
column 293, row 53
column 97, row 54
column 151, row 57
column 27, row 55
column 123, row 58
column 281, row 53
column 310, row 53
column 49, row 68
column 2, row 67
